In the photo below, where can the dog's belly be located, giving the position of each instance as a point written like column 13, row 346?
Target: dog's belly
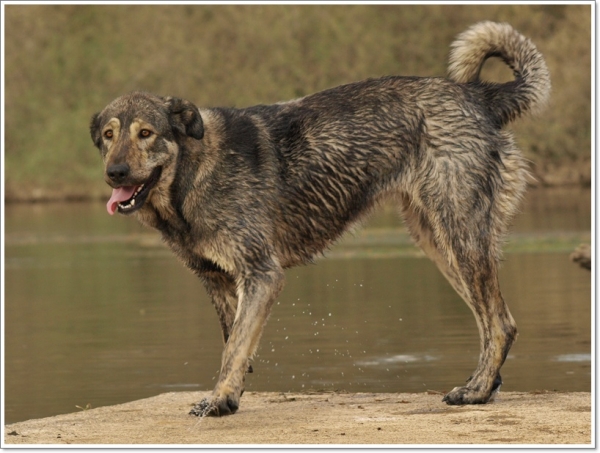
column 311, row 224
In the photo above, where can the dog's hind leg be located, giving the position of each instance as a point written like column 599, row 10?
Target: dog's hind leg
column 465, row 253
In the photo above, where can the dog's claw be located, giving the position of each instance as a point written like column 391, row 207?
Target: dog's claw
column 202, row 408
column 217, row 407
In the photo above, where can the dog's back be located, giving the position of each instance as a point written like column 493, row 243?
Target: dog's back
column 341, row 150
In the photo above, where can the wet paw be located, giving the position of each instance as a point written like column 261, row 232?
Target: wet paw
column 464, row 395
column 471, row 394
column 214, row 407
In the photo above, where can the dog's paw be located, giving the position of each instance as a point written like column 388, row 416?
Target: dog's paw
column 471, row 394
column 464, row 395
column 215, row 407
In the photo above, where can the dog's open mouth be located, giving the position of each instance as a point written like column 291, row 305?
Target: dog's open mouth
column 127, row 199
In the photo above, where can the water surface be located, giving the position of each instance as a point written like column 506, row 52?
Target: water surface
column 98, row 312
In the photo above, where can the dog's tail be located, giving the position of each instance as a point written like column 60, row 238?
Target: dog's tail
column 530, row 90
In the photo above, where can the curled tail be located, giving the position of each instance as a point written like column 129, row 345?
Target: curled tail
column 530, row 90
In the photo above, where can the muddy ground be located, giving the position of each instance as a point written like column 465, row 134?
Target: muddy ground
column 323, row 418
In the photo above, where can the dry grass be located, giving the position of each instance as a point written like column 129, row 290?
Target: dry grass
column 64, row 62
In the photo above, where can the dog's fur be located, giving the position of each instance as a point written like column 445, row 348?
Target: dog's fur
column 242, row 194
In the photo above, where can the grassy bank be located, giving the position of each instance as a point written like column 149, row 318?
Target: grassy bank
column 64, row 62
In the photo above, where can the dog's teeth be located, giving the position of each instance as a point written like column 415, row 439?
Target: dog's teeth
column 132, row 202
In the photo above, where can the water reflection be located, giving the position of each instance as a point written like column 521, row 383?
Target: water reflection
column 397, row 359
column 573, row 358
column 97, row 311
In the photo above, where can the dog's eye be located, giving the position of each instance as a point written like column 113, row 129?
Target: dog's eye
column 145, row 133
column 108, row 134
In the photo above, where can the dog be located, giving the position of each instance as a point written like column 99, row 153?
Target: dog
column 242, row 194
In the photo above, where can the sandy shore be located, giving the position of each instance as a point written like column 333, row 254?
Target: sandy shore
column 323, row 418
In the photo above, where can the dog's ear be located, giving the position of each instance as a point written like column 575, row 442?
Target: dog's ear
column 185, row 117
column 95, row 130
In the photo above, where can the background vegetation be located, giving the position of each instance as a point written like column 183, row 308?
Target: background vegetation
column 64, row 62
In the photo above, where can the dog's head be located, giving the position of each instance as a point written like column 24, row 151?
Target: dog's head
column 139, row 136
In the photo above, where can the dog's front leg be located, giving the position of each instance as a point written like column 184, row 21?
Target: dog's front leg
column 256, row 295
column 220, row 286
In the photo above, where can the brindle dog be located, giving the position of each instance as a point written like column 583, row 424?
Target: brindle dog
column 242, row 194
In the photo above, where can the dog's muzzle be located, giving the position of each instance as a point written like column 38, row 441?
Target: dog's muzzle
column 129, row 198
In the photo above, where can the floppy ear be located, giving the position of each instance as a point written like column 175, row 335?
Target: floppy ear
column 185, row 117
column 95, row 129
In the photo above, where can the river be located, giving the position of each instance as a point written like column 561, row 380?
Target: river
column 99, row 312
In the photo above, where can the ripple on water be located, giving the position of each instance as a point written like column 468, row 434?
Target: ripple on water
column 573, row 358
column 400, row 358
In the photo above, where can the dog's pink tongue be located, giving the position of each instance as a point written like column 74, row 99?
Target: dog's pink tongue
column 119, row 195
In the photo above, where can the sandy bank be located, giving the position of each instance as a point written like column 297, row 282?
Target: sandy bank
column 323, row 418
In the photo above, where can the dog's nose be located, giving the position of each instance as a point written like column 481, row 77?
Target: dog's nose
column 118, row 172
